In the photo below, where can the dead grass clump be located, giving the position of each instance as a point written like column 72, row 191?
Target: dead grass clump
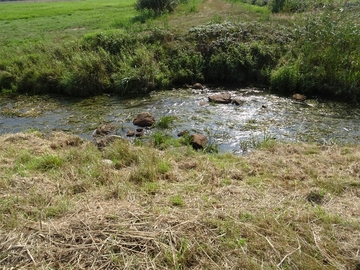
column 61, row 139
column 124, row 240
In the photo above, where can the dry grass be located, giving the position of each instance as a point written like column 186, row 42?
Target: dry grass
column 290, row 206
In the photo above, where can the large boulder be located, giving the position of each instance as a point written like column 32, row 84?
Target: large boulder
column 224, row 98
column 198, row 141
column 144, row 119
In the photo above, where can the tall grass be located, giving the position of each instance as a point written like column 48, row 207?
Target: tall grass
column 325, row 60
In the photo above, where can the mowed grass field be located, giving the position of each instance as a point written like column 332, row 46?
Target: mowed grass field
column 38, row 21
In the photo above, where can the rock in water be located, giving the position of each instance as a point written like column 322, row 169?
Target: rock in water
column 144, row 119
column 299, row 97
column 224, row 98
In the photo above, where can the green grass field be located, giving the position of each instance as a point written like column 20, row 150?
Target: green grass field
column 23, row 22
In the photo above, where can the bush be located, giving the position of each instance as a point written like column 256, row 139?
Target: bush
column 157, row 6
column 285, row 79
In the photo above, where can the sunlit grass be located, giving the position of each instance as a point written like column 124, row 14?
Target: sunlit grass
column 23, row 22
column 284, row 206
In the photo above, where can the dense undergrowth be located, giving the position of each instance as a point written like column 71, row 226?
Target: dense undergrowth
column 317, row 56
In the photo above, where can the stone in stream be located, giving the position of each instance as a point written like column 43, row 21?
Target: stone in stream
column 130, row 133
column 298, row 97
column 237, row 101
column 144, row 119
column 197, row 86
column 223, row 98
column 104, row 129
column 183, row 133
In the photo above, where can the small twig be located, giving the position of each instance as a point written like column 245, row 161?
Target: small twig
column 271, row 245
column 31, row 257
column 40, row 221
column 289, row 254
column 16, row 246
column 207, row 255
column 327, row 256
column 104, row 243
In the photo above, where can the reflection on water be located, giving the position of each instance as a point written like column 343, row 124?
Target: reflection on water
column 261, row 114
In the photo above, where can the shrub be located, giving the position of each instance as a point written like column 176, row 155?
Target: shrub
column 157, row 6
column 285, row 79
column 277, row 5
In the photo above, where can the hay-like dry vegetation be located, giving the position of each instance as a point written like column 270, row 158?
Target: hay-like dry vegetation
column 66, row 204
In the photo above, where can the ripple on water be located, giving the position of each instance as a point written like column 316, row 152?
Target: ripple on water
column 261, row 115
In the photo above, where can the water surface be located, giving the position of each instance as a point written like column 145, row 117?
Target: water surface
column 260, row 116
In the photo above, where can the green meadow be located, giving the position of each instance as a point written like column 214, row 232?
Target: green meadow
column 23, row 22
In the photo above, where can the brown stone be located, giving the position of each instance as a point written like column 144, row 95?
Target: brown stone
column 202, row 103
column 130, row 133
column 237, row 102
column 183, row 133
column 224, row 98
column 299, row 97
column 198, row 141
column 197, row 86
column 105, row 129
column 144, row 119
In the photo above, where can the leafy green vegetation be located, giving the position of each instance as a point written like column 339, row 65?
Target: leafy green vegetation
column 315, row 55
column 325, row 60
column 157, row 7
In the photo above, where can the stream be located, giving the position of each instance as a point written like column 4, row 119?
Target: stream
column 234, row 128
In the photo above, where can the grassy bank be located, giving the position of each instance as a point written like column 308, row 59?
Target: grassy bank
column 67, row 204
column 72, row 49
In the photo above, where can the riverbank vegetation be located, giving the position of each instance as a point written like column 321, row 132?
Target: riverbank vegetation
column 64, row 203
column 287, row 46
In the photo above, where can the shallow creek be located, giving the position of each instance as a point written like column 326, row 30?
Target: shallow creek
column 232, row 127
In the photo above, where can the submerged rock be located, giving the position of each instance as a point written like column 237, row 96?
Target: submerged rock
column 183, row 133
column 202, row 103
column 237, row 102
column 104, row 129
column 144, row 119
column 223, row 98
column 130, row 133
